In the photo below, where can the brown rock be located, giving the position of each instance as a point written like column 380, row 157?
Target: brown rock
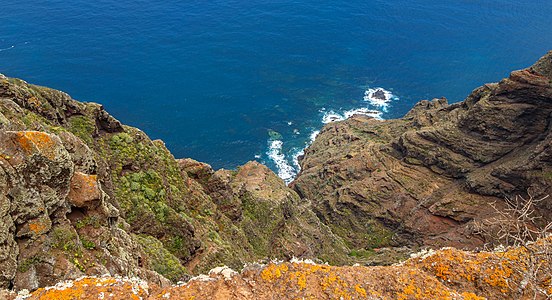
column 85, row 190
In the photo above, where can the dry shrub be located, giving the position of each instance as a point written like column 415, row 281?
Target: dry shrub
column 520, row 225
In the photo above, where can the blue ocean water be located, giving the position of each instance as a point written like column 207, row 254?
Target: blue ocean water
column 230, row 81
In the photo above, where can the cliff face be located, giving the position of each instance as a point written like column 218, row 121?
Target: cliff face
column 83, row 194
column 427, row 177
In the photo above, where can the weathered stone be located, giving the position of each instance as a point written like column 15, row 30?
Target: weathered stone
column 85, row 191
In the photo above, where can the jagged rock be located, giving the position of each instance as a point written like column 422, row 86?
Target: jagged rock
column 195, row 169
column 84, row 191
column 55, row 223
column 276, row 221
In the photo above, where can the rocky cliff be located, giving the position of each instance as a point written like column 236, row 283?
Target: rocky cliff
column 428, row 177
column 82, row 194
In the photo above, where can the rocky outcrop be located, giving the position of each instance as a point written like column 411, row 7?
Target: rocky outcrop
column 443, row 274
column 271, row 219
column 425, row 178
column 48, row 208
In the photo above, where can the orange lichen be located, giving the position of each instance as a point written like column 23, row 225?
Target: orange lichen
column 91, row 287
column 273, row 271
column 33, row 141
column 38, row 228
column 33, row 101
column 471, row 296
column 302, row 281
column 84, row 182
column 360, row 291
column 472, row 276
column 498, row 276
column 84, row 189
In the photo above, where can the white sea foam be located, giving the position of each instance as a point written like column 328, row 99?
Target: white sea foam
column 276, row 154
column 313, row 136
column 5, row 49
column 288, row 169
column 363, row 111
column 379, row 97
column 296, row 159
column 332, row 116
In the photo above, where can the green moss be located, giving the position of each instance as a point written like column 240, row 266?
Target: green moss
column 141, row 192
column 274, row 135
column 177, row 242
column 361, row 253
column 89, row 220
column 260, row 220
column 547, row 175
column 215, row 237
column 365, row 233
column 162, row 261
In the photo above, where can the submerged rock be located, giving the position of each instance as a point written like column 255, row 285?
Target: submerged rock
column 379, row 94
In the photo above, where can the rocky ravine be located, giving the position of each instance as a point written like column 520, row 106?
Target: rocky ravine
column 82, row 194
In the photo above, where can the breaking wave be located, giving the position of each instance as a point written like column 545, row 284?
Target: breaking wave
column 276, row 154
column 379, row 97
column 332, row 116
column 287, row 163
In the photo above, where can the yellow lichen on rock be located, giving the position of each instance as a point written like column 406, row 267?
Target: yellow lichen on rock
column 33, row 141
column 273, row 272
column 445, row 274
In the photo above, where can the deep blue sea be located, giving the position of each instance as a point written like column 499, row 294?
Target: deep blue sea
column 225, row 82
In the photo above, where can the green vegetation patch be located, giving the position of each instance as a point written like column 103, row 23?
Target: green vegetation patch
column 161, row 260
column 25, row 265
column 83, row 127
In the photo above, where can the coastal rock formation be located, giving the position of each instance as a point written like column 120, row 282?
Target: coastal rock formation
column 426, row 178
column 83, row 195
